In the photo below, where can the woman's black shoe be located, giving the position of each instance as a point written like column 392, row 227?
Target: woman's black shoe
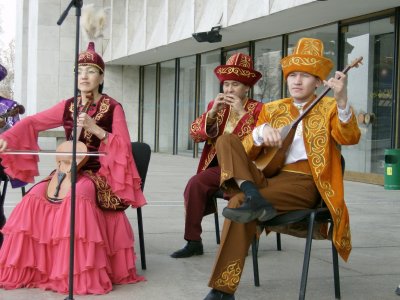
column 191, row 248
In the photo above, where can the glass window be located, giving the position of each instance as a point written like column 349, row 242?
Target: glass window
column 167, row 95
column 370, row 92
column 149, row 105
column 209, row 84
column 268, row 54
column 187, row 85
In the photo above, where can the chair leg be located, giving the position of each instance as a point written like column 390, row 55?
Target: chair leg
column 216, row 220
column 2, row 215
column 254, row 252
column 2, row 199
column 307, row 253
column 278, row 242
column 336, row 277
column 141, row 238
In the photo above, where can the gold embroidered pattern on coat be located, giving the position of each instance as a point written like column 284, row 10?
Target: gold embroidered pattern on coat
column 279, row 114
column 224, row 175
column 317, row 135
column 230, row 277
column 195, row 128
column 209, row 158
column 345, row 242
column 248, row 125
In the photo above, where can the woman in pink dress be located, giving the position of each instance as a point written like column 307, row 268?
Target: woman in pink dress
column 35, row 252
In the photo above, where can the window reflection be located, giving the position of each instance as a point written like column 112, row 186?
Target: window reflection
column 370, row 91
column 268, row 54
column 167, row 90
column 187, row 85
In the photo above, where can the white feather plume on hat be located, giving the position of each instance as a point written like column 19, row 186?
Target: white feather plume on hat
column 93, row 21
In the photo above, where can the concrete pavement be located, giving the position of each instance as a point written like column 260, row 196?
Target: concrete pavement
column 372, row 272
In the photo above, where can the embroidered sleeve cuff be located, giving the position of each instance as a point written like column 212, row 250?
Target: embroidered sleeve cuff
column 258, row 138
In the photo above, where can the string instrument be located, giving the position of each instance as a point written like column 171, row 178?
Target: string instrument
column 272, row 159
column 18, row 109
column 60, row 182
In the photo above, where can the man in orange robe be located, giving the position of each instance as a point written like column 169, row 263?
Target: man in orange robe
column 312, row 167
column 230, row 112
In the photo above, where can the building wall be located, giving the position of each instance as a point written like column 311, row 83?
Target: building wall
column 45, row 59
column 153, row 33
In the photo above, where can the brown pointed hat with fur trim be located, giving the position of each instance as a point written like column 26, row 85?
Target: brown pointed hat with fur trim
column 307, row 56
column 239, row 67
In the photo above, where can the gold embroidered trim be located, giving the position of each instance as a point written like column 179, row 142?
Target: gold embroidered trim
column 195, row 127
column 230, row 277
column 301, row 61
column 237, row 71
column 106, row 199
column 245, row 61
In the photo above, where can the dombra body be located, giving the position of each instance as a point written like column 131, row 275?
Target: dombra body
column 60, row 183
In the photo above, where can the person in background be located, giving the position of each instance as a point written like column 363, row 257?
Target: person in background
column 230, row 112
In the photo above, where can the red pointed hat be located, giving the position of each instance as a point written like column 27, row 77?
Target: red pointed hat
column 3, row 72
column 239, row 67
column 91, row 58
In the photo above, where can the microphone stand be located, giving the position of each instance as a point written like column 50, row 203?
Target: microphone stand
column 78, row 5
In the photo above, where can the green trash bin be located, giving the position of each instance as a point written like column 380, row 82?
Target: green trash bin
column 392, row 169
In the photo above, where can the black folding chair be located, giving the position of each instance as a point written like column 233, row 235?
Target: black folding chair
column 319, row 214
column 218, row 194
column 141, row 153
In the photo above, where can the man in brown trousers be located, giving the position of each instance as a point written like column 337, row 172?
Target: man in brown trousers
column 312, row 167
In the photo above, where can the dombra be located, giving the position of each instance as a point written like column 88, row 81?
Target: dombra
column 60, row 183
column 271, row 159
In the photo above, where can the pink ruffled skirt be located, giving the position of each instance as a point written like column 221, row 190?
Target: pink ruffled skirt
column 35, row 251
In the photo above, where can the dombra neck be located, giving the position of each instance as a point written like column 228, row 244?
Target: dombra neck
column 96, row 99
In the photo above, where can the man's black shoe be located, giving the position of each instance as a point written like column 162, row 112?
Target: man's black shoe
column 398, row 290
column 218, row 295
column 191, row 248
column 249, row 211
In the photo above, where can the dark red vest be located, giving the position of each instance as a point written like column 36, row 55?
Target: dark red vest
column 102, row 113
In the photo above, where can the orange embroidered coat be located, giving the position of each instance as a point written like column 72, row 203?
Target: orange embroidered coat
column 200, row 132
column 323, row 133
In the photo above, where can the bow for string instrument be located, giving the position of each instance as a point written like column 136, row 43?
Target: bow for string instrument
column 60, row 183
column 272, row 159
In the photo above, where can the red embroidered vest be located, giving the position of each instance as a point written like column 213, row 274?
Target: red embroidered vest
column 102, row 113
